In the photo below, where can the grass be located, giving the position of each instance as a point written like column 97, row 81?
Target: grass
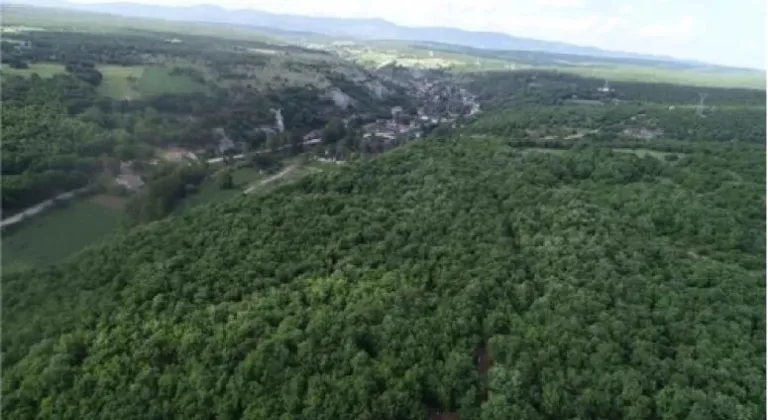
column 752, row 80
column 159, row 80
column 116, row 81
column 124, row 82
column 56, row 234
column 209, row 190
column 44, row 70
column 139, row 81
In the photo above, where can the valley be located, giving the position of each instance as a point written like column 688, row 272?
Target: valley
column 210, row 221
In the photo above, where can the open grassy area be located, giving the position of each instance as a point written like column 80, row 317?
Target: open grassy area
column 159, row 80
column 117, row 82
column 751, row 80
column 42, row 69
column 138, row 81
column 56, row 234
column 209, row 190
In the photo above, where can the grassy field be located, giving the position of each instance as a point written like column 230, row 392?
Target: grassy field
column 660, row 75
column 57, row 234
column 42, row 69
column 209, row 190
column 159, row 80
column 138, row 81
column 120, row 82
column 117, row 81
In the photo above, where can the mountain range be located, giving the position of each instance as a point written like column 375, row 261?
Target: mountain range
column 363, row 29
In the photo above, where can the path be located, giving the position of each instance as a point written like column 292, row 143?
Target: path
column 31, row 211
column 272, row 178
column 259, row 152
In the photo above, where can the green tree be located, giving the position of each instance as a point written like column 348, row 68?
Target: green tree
column 224, row 180
column 333, row 131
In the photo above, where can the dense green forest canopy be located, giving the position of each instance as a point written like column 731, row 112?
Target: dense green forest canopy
column 462, row 275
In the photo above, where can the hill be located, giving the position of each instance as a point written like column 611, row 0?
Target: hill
column 455, row 275
column 344, row 27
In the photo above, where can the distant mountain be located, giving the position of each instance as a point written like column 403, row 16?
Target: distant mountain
column 365, row 29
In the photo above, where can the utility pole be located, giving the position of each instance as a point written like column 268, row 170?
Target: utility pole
column 700, row 106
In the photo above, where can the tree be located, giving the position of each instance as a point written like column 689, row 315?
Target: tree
column 295, row 141
column 224, row 180
column 333, row 131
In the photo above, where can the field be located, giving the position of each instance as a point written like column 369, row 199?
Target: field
column 471, row 60
column 661, row 75
column 57, row 234
column 158, row 80
column 209, row 191
column 121, row 82
column 42, row 69
column 117, row 81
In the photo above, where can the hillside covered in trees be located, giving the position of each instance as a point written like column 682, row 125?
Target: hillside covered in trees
column 460, row 275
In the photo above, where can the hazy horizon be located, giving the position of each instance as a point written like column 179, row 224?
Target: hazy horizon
column 708, row 31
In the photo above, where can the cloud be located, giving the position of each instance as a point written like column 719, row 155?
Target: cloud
column 684, row 28
column 562, row 4
column 626, row 9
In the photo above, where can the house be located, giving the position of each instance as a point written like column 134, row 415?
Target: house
column 130, row 181
column 225, row 143
column 177, row 154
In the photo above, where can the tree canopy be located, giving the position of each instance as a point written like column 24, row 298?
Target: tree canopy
column 452, row 275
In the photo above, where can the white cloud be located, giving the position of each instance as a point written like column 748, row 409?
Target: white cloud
column 626, row 9
column 576, row 4
column 684, row 28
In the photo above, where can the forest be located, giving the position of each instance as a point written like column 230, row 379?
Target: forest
column 566, row 253
column 458, row 276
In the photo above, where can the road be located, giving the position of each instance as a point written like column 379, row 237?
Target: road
column 31, row 211
column 259, row 152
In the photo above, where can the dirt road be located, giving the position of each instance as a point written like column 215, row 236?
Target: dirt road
column 272, row 178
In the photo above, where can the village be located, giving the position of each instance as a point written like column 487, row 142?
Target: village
column 441, row 103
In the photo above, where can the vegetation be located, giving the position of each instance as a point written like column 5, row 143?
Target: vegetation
column 570, row 253
column 58, row 234
column 508, row 89
column 369, row 292
column 120, row 96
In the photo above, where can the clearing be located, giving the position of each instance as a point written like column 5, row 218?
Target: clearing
column 159, row 80
column 119, row 82
column 58, row 233
column 271, row 179
column 109, row 201
column 209, row 191
column 135, row 82
column 44, row 70
column 650, row 74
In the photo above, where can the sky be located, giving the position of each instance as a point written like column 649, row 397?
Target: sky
column 728, row 32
